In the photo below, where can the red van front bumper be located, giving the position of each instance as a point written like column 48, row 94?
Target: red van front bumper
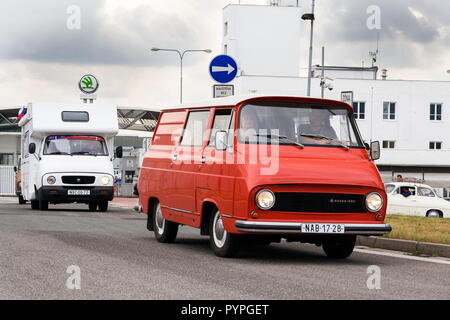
column 295, row 228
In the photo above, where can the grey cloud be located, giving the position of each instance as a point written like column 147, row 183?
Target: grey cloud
column 349, row 20
column 36, row 30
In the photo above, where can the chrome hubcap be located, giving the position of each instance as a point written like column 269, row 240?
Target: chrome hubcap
column 434, row 214
column 219, row 233
column 160, row 221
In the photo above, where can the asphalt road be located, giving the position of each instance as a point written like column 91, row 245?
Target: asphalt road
column 119, row 259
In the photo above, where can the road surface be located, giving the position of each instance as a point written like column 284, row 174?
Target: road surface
column 119, row 259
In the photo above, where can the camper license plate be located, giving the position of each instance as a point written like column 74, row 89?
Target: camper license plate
column 79, row 192
column 322, row 228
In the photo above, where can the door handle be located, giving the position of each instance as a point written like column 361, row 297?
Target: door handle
column 174, row 157
column 203, row 160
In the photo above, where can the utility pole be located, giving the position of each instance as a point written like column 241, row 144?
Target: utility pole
column 310, row 16
column 323, row 72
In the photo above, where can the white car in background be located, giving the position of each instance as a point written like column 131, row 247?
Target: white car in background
column 414, row 199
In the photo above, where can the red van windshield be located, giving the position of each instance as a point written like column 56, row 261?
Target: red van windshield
column 289, row 123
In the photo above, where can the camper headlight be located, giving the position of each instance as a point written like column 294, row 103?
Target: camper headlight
column 374, row 202
column 265, row 199
column 51, row 180
column 104, row 180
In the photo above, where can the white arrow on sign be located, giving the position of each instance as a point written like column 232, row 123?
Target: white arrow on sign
column 229, row 69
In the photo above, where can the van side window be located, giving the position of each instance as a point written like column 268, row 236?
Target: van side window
column 26, row 142
column 195, row 128
column 223, row 121
column 425, row 192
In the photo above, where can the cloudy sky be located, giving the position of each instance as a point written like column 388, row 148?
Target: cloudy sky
column 41, row 59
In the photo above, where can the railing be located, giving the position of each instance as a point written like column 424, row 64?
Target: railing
column 7, row 181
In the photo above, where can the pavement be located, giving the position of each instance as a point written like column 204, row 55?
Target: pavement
column 119, row 259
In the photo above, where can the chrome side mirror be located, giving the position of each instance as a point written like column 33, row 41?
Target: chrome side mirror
column 375, row 150
column 221, row 140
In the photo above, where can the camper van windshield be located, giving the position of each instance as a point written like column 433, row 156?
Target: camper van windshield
column 294, row 123
column 75, row 145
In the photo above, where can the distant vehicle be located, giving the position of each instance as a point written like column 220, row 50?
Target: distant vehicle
column 415, row 199
column 67, row 153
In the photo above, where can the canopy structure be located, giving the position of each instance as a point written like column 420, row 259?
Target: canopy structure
column 137, row 118
column 8, row 119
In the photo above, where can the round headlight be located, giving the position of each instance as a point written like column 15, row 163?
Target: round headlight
column 374, row 202
column 265, row 199
column 105, row 180
column 51, row 180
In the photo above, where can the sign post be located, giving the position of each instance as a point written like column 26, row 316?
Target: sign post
column 223, row 69
column 88, row 85
column 347, row 97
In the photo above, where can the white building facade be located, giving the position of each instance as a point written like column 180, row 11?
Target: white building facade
column 411, row 119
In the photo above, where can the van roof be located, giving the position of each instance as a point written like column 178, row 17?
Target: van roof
column 236, row 100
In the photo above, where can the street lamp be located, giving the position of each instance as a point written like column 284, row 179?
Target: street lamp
column 181, row 55
column 310, row 17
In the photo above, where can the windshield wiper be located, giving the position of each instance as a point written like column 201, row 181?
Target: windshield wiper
column 270, row 136
column 319, row 136
column 57, row 153
column 82, row 153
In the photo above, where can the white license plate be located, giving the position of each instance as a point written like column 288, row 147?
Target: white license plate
column 79, row 192
column 322, row 228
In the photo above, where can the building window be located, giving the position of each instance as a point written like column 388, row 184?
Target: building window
column 225, row 29
column 434, row 145
column 6, row 159
column 388, row 144
column 389, row 110
column 436, row 111
column 360, row 110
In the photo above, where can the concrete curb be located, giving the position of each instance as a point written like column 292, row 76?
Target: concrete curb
column 431, row 249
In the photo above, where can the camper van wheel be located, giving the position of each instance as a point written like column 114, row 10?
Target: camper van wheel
column 93, row 206
column 339, row 247
column 224, row 244
column 34, row 204
column 103, row 206
column 43, row 205
column 21, row 200
column 165, row 231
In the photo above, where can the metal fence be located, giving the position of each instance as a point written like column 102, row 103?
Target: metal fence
column 7, row 181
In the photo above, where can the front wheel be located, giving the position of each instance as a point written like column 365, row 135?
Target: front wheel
column 43, row 205
column 224, row 244
column 340, row 247
column 165, row 231
column 34, row 204
column 103, row 206
column 93, row 206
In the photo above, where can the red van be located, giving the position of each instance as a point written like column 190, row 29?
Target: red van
column 263, row 169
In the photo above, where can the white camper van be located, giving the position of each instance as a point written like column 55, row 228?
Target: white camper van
column 67, row 154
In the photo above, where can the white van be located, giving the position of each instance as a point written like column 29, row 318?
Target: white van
column 67, row 154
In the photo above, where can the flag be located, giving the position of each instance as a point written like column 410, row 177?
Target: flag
column 22, row 112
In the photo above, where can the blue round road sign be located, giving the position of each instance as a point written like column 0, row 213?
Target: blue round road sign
column 223, row 69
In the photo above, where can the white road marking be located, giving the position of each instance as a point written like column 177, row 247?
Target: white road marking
column 403, row 256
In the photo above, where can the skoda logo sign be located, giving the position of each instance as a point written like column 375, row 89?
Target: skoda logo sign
column 88, row 84
column 79, row 180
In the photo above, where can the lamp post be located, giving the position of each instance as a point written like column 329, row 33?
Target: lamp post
column 181, row 54
column 310, row 17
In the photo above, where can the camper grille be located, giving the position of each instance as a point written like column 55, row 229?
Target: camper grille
column 319, row 203
column 78, row 180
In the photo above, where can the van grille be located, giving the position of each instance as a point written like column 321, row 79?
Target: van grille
column 319, row 202
column 78, row 179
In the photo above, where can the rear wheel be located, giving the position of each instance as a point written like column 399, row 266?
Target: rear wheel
column 224, row 244
column 434, row 214
column 165, row 231
column 34, row 204
column 103, row 206
column 43, row 205
column 340, row 247
column 21, row 200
